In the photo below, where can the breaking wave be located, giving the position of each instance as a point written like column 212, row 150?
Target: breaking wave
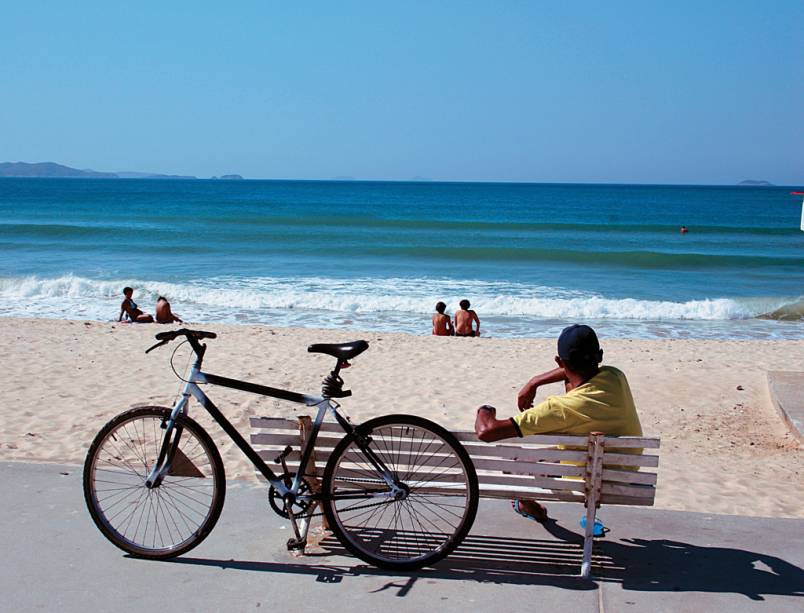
column 214, row 298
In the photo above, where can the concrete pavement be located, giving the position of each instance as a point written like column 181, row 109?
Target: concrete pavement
column 787, row 394
column 55, row 559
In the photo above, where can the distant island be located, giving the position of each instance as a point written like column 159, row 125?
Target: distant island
column 45, row 170
column 49, row 169
column 755, row 183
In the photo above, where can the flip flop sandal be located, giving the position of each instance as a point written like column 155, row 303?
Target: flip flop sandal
column 598, row 529
column 518, row 509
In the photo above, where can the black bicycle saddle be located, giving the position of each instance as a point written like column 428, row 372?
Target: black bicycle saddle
column 342, row 351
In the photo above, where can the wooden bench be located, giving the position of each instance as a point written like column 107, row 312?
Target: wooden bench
column 592, row 470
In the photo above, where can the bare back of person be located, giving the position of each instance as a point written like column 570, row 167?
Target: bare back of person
column 163, row 313
column 464, row 319
column 442, row 326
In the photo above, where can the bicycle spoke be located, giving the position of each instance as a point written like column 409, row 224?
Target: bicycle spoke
column 412, row 526
column 168, row 516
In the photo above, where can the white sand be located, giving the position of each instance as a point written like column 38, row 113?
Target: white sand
column 724, row 450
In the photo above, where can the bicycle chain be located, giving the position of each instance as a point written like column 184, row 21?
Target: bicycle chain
column 363, row 506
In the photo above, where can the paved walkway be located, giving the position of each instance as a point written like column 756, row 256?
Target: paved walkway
column 787, row 393
column 55, row 559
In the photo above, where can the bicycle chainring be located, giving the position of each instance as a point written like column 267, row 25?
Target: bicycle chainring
column 300, row 509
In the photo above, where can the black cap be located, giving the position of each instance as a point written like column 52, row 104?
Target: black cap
column 578, row 346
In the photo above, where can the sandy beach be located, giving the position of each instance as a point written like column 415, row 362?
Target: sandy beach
column 724, row 449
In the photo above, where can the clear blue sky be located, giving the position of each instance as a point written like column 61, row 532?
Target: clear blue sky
column 640, row 91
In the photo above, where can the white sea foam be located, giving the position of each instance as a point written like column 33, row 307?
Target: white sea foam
column 507, row 310
column 371, row 296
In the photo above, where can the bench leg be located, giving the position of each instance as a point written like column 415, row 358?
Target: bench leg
column 588, row 541
column 594, row 475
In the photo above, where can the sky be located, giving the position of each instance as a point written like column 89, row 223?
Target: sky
column 624, row 92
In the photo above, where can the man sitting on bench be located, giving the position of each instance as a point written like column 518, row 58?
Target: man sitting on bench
column 596, row 399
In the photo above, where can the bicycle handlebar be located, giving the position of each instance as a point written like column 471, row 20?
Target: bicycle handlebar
column 191, row 335
column 172, row 334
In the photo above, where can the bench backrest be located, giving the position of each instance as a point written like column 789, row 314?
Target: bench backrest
column 608, row 470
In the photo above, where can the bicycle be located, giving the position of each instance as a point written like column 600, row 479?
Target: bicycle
column 398, row 491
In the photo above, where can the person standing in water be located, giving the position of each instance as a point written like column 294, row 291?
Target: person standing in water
column 442, row 326
column 464, row 319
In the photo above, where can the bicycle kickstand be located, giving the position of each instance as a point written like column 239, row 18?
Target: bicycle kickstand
column 300, row 541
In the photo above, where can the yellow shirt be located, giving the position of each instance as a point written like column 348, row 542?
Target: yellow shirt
column 602, row 404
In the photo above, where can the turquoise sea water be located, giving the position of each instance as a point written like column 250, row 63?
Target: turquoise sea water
column 530, row 257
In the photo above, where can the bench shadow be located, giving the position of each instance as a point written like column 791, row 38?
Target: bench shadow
column 635, row 564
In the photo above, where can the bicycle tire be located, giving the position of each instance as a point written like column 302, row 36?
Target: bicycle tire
column 183, row 495
column 403, row 442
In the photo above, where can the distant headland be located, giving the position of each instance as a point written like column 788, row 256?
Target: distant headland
column 44, row 170
column 755, row 183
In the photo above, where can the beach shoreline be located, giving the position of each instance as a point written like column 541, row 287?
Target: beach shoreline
column 724, row 449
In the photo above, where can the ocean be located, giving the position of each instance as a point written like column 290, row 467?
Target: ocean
column 531, row 258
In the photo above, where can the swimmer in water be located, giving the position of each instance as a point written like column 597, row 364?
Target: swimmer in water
column 683, row 230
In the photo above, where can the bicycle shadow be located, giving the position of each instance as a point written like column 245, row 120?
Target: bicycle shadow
column 635, row 564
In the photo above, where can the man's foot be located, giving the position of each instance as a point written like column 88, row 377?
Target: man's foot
column 530, row 509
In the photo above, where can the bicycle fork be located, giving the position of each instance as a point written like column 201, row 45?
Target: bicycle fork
column 170, row 445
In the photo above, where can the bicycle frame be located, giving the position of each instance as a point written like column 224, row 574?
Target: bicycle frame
column 191, row 388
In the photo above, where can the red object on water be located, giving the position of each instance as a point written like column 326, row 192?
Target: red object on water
column 797, row 193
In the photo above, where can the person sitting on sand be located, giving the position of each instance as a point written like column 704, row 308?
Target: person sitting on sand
column 129, row 307
column 596, row 399
column 442, row 325
column 163, row 313
column 464, row 319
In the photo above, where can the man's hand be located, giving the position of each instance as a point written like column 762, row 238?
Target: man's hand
column 524, row 399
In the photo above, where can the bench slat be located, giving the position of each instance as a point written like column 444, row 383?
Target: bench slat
column 634, row 491
column 540, row 482
column 281, row 423
column 629, row 500
column 529, row 468
column 565, row 439
column 509, row 493
column 630, row 459
column 277, row 438
column 629, row 476
column 469, row 436
column 526, row 455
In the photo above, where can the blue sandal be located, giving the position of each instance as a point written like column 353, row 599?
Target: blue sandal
column 597, row 530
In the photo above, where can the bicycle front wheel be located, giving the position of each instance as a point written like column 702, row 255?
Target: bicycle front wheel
column 163, row 521
column 423, row 524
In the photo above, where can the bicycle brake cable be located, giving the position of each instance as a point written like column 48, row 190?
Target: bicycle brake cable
column 173, row 368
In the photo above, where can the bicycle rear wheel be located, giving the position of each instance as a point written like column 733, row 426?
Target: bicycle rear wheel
column 164, row 521
column 422, row 526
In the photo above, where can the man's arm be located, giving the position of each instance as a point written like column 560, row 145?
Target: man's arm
column 477, row 321
column 524, row 399
column 489, row 429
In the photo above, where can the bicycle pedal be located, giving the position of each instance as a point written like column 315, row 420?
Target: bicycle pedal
column 296, row 544
column 285, row 453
